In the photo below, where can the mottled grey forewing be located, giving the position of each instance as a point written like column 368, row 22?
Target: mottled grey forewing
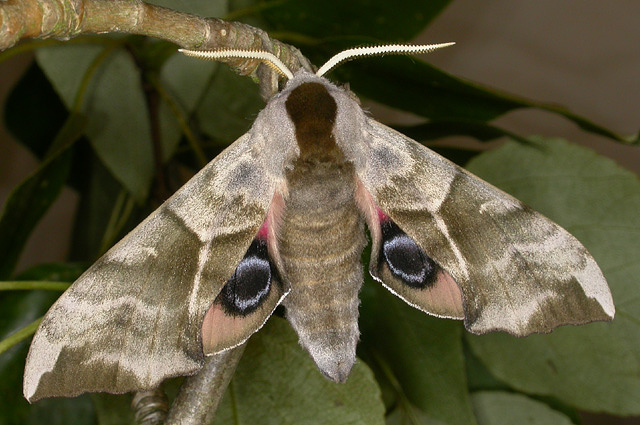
column 518, row 271
column 134, row 317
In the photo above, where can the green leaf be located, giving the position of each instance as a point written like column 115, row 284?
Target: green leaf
column 501, row 408
column 119, row 125
column 380, row 20
column 408, row 414
column 65, row 66
column 31, row 199
column 185, row 81
column 113, row 409
column 420, row 355
column 437, row 129
column 277, row 383
column 228, row 106
column 99, row 192
column 33, row 100
column 321, row 30
column 174, row 85
column 26, row 205
column 118, row 122
column 415, row 86
column 478, row 376
column 595, row 367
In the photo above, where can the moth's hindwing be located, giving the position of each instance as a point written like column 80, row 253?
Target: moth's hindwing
column 517, row 271
column 134, row 318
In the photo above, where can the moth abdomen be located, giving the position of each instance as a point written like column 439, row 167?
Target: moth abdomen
column 321, row 243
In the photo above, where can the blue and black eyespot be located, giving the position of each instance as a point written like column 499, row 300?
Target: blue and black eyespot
column 251, row 282
column 405, row 259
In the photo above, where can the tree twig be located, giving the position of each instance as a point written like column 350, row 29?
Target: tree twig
column 64, row 19
column 200, row 394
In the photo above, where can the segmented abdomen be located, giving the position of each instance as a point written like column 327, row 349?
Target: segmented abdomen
column 321, row 243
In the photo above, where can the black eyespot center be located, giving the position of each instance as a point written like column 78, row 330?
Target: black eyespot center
column 405, row 259
column 250, row 283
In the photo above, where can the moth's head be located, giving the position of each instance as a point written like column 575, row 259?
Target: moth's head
column 310, row 98
column 317, row 117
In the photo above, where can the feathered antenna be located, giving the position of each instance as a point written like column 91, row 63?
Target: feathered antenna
column 272, row 60
column 267, row 57
column 396, row 49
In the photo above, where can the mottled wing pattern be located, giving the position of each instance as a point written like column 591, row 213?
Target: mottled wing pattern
column 134, row 318
column 518, row 271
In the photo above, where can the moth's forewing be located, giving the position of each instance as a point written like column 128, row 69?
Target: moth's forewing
column 518, row 271
column 134, row 317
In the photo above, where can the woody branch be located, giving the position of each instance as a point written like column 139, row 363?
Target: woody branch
column 64, row 19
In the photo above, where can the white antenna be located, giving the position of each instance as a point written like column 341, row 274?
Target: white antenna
column 269, row 58
column 351, row 54
column 272, row 60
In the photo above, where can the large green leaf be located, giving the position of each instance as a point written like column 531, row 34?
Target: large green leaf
column 118, row 124
column 26, row 205
column 31, row 100
column 420, row 355
column 322, row 29
column 436, row 129
column 228, row 106
column 501, row 408
column 118, row 118
column 185, row 81
column 595, row 367
column 328, row 19
column 277, row 383
column 415, row 86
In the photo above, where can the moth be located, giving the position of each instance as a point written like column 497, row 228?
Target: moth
column 279, row 217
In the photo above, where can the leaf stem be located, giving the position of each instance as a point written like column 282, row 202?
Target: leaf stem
column 20, row 335
column 119, row 215
column 28, row 285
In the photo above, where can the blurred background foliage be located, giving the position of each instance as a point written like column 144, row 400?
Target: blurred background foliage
column 124, row 121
